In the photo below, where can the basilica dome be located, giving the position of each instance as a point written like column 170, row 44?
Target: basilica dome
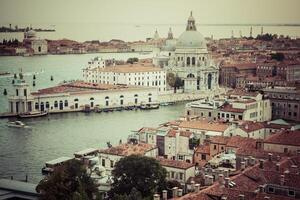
column 191, row 39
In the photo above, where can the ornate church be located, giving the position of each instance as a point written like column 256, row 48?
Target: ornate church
column 188, row 58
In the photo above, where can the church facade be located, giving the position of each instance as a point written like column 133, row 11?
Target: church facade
column 188, row 58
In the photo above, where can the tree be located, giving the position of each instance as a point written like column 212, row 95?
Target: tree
column 137, row 174
column 70, row 181
column 174, row 81
column 277, row 56
column 132, row 60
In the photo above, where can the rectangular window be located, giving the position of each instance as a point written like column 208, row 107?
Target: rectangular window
column 215, row 147
column 181, row 176
column 203, row 157
column 103, row 162
column 172, row 174
column 25, row 92
column 111, row 163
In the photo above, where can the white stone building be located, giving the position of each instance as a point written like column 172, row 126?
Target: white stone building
column 75, row 96
column 189, row 59
column 38, row 46
column 177, row 145
column 139, row 74
column 108, row 157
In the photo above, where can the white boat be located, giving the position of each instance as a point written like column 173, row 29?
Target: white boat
column 16, row 124
column 33, row 114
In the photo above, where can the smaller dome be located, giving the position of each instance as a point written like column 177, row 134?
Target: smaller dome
column 30, row 34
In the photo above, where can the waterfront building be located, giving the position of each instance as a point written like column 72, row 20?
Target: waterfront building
column 285, row 102
column 37, row 45
column 188, row 58
column 108, row 157
column 138, row 74
column 75, row 96
column 235, row 105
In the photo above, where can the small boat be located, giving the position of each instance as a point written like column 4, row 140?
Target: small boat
column 33, row 114
column 108, row 109
column 119, row 108
column 149, row 106
column 16, row 124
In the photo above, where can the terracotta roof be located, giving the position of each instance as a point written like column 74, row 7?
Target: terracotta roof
column 129, row 149
column 175, row 163
column 131, row 68
column 241, row 65
column 203, row 149
column 204, row 125
column 80, row 86
column 285, row 137
column 219, row 139
column 229, row 108
column 172, row 133
column 241, row 142
column 252, row 126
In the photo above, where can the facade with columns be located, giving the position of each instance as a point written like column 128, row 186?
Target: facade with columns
column 188, row 58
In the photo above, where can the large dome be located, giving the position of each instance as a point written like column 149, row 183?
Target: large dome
column 191, row 39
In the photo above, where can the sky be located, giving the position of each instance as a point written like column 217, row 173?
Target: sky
column 148, row 12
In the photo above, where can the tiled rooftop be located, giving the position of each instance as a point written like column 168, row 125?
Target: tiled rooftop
column 285, row 137
column 129, row 149
column 175, row 163
column 204, row 125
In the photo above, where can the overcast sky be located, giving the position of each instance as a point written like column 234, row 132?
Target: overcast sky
column 149, row 12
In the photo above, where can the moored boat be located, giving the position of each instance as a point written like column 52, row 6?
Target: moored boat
column 148, row 106
column 33, row 114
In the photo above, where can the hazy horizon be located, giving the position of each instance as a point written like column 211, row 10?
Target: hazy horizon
column 149, row 12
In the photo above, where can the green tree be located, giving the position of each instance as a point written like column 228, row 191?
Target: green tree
column 132, row 60
column 174, row 81
column 70, row 181
column 144, row 174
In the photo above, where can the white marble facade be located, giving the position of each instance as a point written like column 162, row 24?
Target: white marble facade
column 189, row 59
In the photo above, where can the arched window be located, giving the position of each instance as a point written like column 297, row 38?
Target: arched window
column 188, row 61
column 136, row 95
column 92, row 98
column 193, row 61
column 209, row 80
column 47, row 104
column 40, row 49
column 66, row 103
column 75, row 99
column 121, row 96
column 61, row 105
column 55, row 104
column 107, row 97
column 190, row 76
column 36, row 105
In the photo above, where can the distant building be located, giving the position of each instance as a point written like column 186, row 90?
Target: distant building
column 285, row 102
column 75, row 96
column 38, row 46
column 139, row 74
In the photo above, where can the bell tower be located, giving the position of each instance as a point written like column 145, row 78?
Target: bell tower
column 170, row 34
column 191, row 25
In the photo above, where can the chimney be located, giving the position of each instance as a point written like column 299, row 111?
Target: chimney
column 294, row 169
column 243, row 165
column 278, row 158
column 241, row 197
column 270, row 156
column 156, row 197
column 180, row 192
column 246, row 162
column 261, row 163
column 221, row 179
column 281, row 180
column 227, row 182
column 192, row 186
column 197, row 187
column 226, row 173
column 210, row 180
column 174, row 192
column 277, row 167
column 252, row 161
column 164, row 195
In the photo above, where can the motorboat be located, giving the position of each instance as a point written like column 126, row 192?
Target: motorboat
column 148, row 106
column 16, row 124
column 33, row 114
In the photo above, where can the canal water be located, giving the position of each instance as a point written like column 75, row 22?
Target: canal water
column 24, row 151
